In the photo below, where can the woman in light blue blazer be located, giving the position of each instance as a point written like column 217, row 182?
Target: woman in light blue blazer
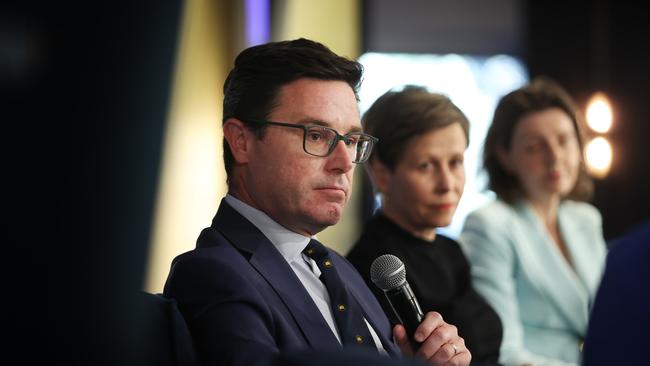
column 537, row 252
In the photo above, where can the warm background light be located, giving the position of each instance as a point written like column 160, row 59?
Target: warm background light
column 192, row 179
column 599, row 113
column 598, row 153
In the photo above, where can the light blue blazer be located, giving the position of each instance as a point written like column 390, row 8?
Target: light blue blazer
column 542, row 301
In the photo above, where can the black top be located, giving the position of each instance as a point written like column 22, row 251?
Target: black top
column 439, row 275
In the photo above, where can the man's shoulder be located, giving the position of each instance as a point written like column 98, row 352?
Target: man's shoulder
column 207, row 262
column 632, row 247
column 212, row 253
column 211, row 244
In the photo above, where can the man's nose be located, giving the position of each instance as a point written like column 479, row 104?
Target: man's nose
column 341, row 157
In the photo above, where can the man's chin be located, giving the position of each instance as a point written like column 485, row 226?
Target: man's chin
column 328, row 216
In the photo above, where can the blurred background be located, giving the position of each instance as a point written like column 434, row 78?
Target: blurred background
column 114, row 111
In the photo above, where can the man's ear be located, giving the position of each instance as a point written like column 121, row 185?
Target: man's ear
column 238, row 138
column 380, row 175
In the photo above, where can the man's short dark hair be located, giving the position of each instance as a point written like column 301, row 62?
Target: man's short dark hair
column 252, row 86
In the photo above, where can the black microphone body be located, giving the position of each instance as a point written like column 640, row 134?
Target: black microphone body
column 407, row 309
column 389, row 274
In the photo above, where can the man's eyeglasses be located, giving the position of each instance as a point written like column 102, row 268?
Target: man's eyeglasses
column 321, row 141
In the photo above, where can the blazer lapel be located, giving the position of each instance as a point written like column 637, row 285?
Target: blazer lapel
column 582, row 244
column 265, row 258
column 556, row 278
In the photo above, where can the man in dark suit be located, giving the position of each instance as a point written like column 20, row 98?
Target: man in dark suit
column 250, row 290
column 618, row 325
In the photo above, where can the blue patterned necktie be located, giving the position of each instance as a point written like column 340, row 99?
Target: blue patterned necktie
column 347, row 312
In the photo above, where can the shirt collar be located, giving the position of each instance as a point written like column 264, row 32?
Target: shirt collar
column 287, row 242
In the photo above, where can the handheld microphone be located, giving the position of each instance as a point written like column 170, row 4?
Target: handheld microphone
column 388, row 273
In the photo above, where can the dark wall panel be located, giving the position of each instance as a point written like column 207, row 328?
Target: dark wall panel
column 87, row 110
column 444, row 26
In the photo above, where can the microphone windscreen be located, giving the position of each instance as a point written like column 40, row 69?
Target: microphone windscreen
column 387, row 272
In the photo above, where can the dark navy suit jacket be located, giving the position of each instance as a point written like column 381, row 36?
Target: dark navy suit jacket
column 244, row 304
column 618, row 332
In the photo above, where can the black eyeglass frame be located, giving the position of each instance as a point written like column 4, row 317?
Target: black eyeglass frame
column 345, row 138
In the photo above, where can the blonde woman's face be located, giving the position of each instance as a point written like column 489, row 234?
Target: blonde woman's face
column 424, row 189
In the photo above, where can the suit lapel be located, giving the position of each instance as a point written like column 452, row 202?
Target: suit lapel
column 555, row 277
column 270, row 264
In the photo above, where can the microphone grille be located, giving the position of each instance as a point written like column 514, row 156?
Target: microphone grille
column 387, row 272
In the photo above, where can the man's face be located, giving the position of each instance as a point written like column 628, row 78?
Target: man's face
column 303, row 193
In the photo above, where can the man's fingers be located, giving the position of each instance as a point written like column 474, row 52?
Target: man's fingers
column 431, row 321
column 435, row 341
column 401, row 339
column 452, row 353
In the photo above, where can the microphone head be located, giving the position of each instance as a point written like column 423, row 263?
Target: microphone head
column 387, row 272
